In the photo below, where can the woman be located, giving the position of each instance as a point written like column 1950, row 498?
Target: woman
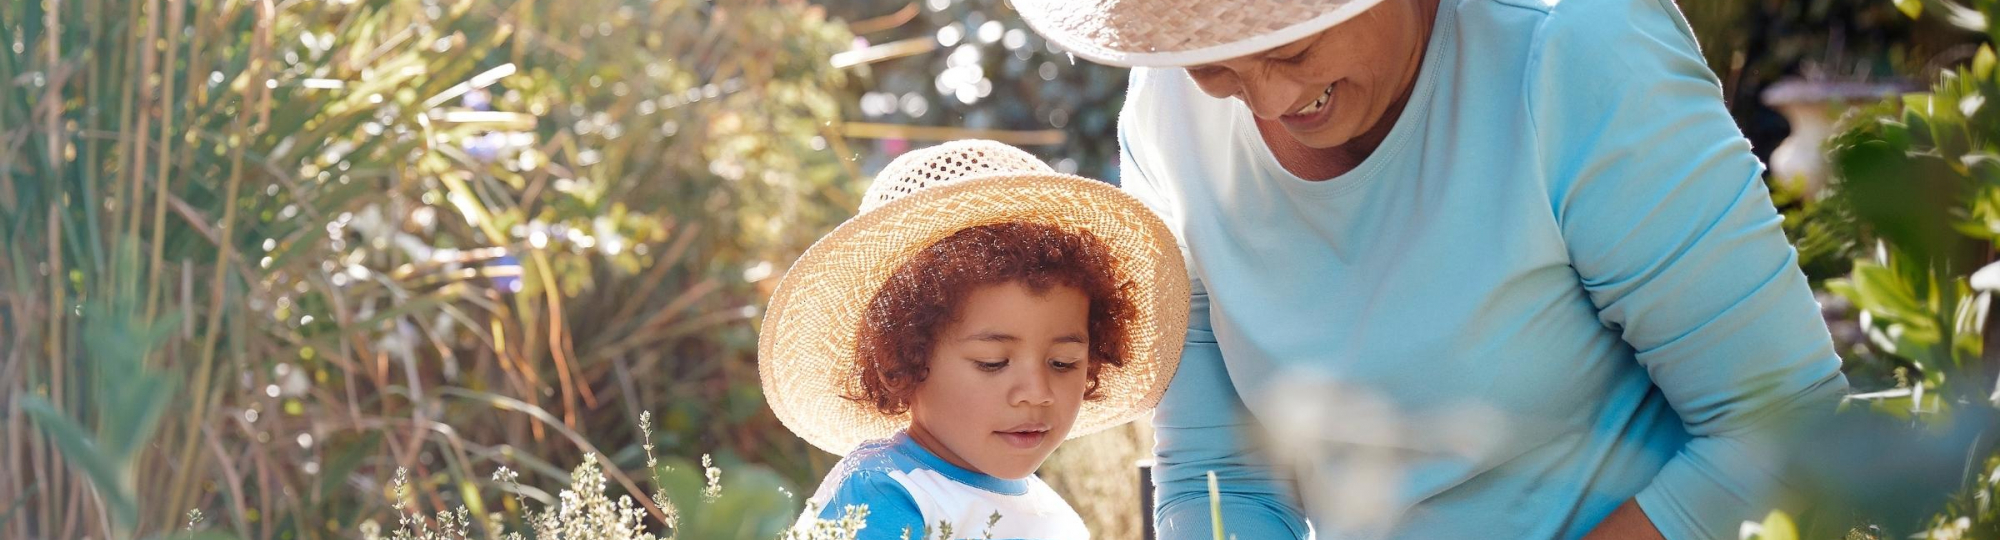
column 1496, row 268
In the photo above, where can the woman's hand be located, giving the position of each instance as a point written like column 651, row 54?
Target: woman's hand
column 1628, row 522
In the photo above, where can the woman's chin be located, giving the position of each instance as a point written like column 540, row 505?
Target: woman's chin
column 1329, row 137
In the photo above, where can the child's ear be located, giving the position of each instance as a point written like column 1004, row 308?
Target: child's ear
column 895, row 383
column 900, row 381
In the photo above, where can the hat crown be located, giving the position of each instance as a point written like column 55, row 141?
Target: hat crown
column 944, row 164
column 1180, row 32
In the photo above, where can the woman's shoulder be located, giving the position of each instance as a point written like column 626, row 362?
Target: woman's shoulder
column 1592, row 57
column 1574, row 28
column 1583, row 24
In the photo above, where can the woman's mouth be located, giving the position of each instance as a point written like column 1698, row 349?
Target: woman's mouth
column 1313, row 115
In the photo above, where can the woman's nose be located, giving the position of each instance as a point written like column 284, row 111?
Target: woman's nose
column 1268, row 99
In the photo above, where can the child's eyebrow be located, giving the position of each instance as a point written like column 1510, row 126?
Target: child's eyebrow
column 992, row 336
column 999, row 337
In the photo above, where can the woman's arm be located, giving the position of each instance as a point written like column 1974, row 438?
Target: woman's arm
column 1628, row 522
column 1672, row 231
column 1201, row 424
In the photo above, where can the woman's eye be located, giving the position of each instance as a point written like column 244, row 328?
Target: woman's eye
column 990, row 366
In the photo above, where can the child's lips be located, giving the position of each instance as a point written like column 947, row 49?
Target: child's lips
column 1023, row 439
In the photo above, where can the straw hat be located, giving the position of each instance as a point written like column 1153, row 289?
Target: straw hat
column 1181, row 32
column 807, row 346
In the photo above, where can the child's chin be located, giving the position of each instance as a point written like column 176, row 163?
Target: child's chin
column 1018, row 467
column 1015, row 471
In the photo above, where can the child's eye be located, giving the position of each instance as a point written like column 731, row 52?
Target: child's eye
column 1063, row 366
column 990, row 366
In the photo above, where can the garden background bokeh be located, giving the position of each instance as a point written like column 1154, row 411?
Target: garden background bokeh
column 261, row 254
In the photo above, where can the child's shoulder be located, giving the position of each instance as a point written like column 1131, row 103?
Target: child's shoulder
column 866, row 478
column 873, row 459
column 871, row 466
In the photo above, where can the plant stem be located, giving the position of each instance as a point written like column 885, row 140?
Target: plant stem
column 176, row 10
column 1214, row 506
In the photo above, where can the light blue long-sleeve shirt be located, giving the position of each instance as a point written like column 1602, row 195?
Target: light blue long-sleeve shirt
column 1557, row 285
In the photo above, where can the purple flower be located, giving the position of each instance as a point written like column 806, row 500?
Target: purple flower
column 506, row 272
column 477, row 99
column 485, row 147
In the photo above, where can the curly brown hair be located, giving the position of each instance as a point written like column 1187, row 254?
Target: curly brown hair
column 903, row 321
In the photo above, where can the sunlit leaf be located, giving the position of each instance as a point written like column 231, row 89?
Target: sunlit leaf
column 1910, row 8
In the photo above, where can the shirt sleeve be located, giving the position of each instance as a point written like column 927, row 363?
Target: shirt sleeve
column 890, row 506
column 1201, row 424
column 1672, row 232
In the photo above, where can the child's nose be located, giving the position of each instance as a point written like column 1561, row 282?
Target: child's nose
column 1035, row 389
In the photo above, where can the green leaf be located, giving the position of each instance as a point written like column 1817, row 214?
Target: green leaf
column 345, row 460
column 1910, row 8
column 1901, row 407
column 1982, row 63
column 8, row 516
column 118, row 341
column 1881, row 291
column 421, row 304
column 473, row 502
column 1919, row 345
column 1916, row 115
column 1778, row 526
column 194, row 535
column 751, row 504
column 79, row 450
column 135, row 413
column 1984, row 166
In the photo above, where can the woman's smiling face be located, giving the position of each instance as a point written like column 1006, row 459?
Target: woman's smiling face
column 1333, row 87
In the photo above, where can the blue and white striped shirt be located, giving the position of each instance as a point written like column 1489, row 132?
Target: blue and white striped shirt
column 906, row 487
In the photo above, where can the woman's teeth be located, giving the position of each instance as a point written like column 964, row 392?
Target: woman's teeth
column 1317, row 104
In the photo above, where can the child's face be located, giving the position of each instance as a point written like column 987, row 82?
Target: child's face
column 1006, row 379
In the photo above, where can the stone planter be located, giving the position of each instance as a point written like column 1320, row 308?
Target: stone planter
column 1812, row 107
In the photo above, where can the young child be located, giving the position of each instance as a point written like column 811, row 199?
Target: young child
column 978, row 311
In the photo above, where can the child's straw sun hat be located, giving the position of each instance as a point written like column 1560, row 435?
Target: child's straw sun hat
column 807, row 346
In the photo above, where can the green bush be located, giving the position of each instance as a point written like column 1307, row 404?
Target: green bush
column 259, row 254
column 1918, row 180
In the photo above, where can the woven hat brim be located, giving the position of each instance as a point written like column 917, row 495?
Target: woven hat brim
column 1101, row 52
column 806, row 345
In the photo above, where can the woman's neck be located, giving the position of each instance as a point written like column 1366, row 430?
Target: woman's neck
column 1317, row 164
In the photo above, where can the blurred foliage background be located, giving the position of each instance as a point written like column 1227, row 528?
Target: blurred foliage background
column 260, row 254
column 362, row 235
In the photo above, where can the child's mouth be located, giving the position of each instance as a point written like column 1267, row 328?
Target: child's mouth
column 1024, row 437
